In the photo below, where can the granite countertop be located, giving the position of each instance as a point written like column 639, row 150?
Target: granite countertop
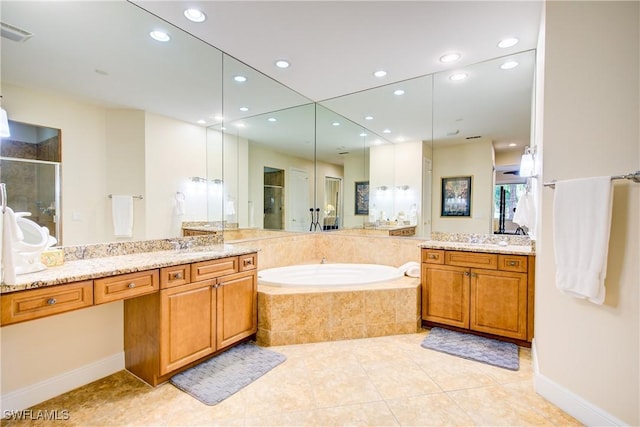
column 72, row 271
column 208, row 228
column 479, row 247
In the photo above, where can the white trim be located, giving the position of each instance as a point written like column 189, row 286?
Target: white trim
column 39, row 392
column 573, row 404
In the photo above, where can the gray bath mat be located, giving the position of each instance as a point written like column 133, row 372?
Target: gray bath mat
column 216, row 379
column 473, row 347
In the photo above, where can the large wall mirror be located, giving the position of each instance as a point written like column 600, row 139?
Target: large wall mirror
column 203, row 137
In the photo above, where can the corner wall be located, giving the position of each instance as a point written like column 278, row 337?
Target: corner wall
column 588, row 354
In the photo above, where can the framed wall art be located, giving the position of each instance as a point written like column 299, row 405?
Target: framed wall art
column 456, row 196
column 362, row 198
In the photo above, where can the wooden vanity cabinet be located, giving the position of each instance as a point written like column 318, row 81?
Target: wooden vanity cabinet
column 482, row 292
column 33, row 304
column 185, row 322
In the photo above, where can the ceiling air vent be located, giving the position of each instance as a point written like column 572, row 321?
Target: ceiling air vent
column 14, row 33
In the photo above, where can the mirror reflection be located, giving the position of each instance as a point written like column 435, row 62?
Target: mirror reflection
column 198, row 156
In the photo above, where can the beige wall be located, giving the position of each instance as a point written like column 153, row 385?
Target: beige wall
column 591, row 112
column 473, row 159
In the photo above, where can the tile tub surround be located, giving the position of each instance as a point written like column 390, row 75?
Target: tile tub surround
column 92, row 268
column 316, row 314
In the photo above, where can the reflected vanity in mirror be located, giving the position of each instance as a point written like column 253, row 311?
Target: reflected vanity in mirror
column 128, row 132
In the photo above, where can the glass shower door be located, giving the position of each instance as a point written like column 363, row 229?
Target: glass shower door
column 34, row 186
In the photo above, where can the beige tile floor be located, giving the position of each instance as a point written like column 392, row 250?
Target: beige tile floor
column 385, row 381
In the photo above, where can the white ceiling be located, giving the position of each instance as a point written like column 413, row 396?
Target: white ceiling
column 334, row 46
column 100, row 52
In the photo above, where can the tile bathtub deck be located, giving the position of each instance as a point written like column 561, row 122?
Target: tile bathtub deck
column 385, row 381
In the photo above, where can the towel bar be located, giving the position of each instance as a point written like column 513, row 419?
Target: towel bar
column 135, row 197
column 634, row 176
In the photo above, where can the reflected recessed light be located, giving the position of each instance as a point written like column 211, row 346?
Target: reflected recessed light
column 335, row 124
column 282, row 63
column 398, row 92
column 368, row 117
column 223, row 128
column 458, row 76
column 195, row 15
column 400, row 139
column 450, row 57
column 386, row 131
column 272, row 119
column 363, row 134
column 239, row 125
column 513, row 144
column 160, row 36
column 512, row 41
column 244, row 109
column 377, row 142
column 240, row 79
column 218, row 118
column 509, row 65
column 201, row 122
column 380, row 73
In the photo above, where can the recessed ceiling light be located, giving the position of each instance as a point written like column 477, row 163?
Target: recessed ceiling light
column 335, row 124
column 386, row 131
column 201, row 122
column 244, row 109
column 398, row 92
column 450, row 57
column 400, row 139
column 458, row 76
column 282, row 63
column 240, row 79
column 513, row 144
column 195, row 15
column 239, row 125
column 512, row 41
column 272, row 119
column 218, row 118
column 363, row 134
column 380, row 73
column 160, row 36
column 368, row 117
column 509, row 65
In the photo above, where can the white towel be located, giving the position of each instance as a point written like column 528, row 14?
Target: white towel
column 525, row 215
column 10, row 233
column 411, row 269
column 581, row 224
column 122, row 212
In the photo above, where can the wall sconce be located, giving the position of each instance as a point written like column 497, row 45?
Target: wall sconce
column 403, row 187
column 5, row 132
column 382, row 188
column 198, row 179
column 527, row 166
column 217, row 181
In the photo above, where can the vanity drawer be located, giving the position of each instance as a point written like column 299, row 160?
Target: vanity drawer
column 214, row 268
column 472, row 259
column 248, row 262
column 433, row 256
column 515, row 263
column 125, row 286
column 175, row 276
column 35, row 303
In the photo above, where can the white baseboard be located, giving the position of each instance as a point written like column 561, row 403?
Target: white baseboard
column 39, row 392
column 574, row 405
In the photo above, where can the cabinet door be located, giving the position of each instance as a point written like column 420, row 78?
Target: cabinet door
column 237, row 308
column 445, row 294
column 499, row 303
column 187, row 331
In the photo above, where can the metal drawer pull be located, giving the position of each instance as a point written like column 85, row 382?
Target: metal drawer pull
column 433, row 256
column 131, row 285
column 513, row 263
column 177, row 276
column 51, row 301
column 248, row 261
column 466, row 273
